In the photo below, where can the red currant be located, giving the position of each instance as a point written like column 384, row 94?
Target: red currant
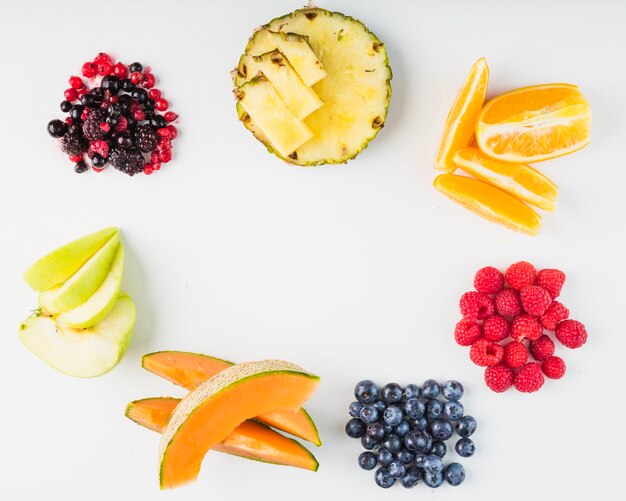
column 105, row 127
column 102, row 57
column 165, row 156
column 154, row 157
column 135, row 77
column 147, row 82
column 68, row 120
column 120, row 70
column 161, row 104
column 173, row 131
column 75, row 82
column 156, row 165
column 122, row 124
column 104, row 68
column 76, row 158
column 148, row 169
column 170, row 116
column 88, row 70
column 163, row 132
column 154, row 93
column 139, row 115
column 70, row 94
column 82, row 91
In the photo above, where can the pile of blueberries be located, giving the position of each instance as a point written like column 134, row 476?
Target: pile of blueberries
column 404, row 431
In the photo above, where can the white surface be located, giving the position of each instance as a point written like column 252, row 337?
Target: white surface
column 232, row 253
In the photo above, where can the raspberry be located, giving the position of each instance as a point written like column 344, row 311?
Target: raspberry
column 535, row 300
column 542, row 349
column 515, row 354
column 552, row 281
column 485, row 353
column 499, row 378
column 465, row 333
column 571, row 333
column 496, row 328
column 508, row 303
column 475, row 306
column 529, row 379
column 488, row 280
column 521, row 274
column 526, row 327
column 553, row 367
column 553, row 315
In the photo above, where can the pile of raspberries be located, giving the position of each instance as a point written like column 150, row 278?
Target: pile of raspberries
column 508, row 321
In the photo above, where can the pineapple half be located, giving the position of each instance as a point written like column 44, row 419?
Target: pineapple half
column 355, row 91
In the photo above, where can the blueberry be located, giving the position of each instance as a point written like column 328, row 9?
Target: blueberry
column 419, row 460
column 397, row 469
column 380, row 405
column 420, row 424
column 367, row 460
column 404, row 456
column 439, row 449
column 418, row 441
column 441, row 429
column 433, row 409
column 402, row 429
column 414, row 408
column 433, row 464
column 430, row 389
column 466, row 426
column 412, row 476
column 369, row 443
column 366, row 391
column 465, row 447
column 375, row 430
column 384, row 456
column 433, row 480
column 383, row 478
column 453, row 410
column 369, row 414
column 355, row 428
column 355, row 408
column 391, row 393
column 455, row 474
column 411, row 391
column 392, row 415
column 388, row 428
column 392, row 442
column 452, row 390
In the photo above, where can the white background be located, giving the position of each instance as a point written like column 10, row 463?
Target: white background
column 351, row 271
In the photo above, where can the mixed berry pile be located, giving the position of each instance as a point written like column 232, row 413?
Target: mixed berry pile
column 508, row 322
column 404, row 431
column 121, row 119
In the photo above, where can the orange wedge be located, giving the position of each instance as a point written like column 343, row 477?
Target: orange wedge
column 534, row 123
column 461, row 122
column 520, row 180
column 489, row 202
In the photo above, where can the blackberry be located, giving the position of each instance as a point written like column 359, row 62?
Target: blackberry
column 91, row 126
column 145, row 138
column 130, row 161
column 73, row 144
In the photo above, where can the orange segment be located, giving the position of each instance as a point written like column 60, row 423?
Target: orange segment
column 534, row 123
column 489, row 202
column 461, row 121
column 520, row 180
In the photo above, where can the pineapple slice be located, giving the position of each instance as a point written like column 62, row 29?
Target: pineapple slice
column 295, row 48
column 356, row 91
column 282, row 130
column 299, row 98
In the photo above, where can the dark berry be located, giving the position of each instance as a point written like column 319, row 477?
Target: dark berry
column 366, row 391
column 126, row 85
column 414, row 408
column 465, row 447
column 392, row 415
column 433, row 480
column 375, row 430
column 455, row 474
column 434, row 409
column 145, row 138
column 430, row 389
column 418, row 441
column 433, row 464
column 412, row 476
column 391, row 393
column 453, row 410
column 410, row 390
column 384, row 456
column 73, row 144
column 402, row 428
column 129, row 161
column 466, row 426
column 135, row 67
column 148, row 105
column 65, row 106
column 92, row 125
column 111, row 84
column 355, row 428
column 126, row 141
column 367, row 460
column 404, row 456
column 397, row 469
column 419, row 460
column 81, row 166
column 452, row 390
column 57, row 128
column 369, row 443
column 76, row 113
column 441, row 429
column 158, row 122
column 355, row 407
column 439, row 449
column 369, row 414
column 98, row 92
column 380, row 406
column 392, row 443
column 420, row 424
column 90, row 100
column 98, row 160
column 139, row 95
column 384, row 478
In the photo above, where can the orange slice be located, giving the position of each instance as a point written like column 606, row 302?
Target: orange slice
column 534, row 123
column 520, row 180
column 461, row 121
column 489, row 202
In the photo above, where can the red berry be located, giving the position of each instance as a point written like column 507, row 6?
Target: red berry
column 526, row 327
column 76, row 82
column 120, row 70
column 485, row 353
column 496, row 328
column 122, row 124
column 82, row 91
column 99, row 146
column 529, row 379
column 85, row 113
column 102, row 57
column 165, row 156
column 69, row 121
column 499, row 378
column 105, row 127
column 136, row 77
column 475, row 306
column 148, row 80
column 148, row 169
column 154, row 157
column 553, row 367
column 515, row 354
column 488, row 280
column 173, row 131
column 161, row 104
column 104, row 68
column 542, row 348
column 520, row 274
column 163, row 132
column 154, row 93
column 170, row 116
column 88, row 70
column 164, row 144
column 552, row 281
column 75, row 158
column 70, row 94
column 535, row 300
column 553, row 315
column 466, row 333
column 97, row 169
column 156, row 165
column 571, row 333
column 508, row 303
column 139, row 115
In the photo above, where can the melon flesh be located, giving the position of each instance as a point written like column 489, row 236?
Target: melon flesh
column 190, row 370
column 250, row 440
column 210, row 413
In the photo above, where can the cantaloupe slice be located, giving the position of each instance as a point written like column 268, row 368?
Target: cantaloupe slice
column 190, row 370
column 209, row 414
column 250, row 440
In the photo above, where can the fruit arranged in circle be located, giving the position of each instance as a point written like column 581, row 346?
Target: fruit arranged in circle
column 85, row 321
column 343, row 63
column 250, row 440
column 190, row 370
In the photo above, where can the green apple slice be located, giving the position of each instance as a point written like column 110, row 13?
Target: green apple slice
column 62, row 263
column 101, row 303
column 84, row 283
column 81, row 352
